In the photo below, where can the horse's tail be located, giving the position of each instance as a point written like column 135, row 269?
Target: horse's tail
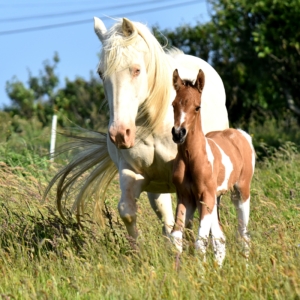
column 92, row 156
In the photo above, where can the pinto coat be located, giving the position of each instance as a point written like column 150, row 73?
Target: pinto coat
column 206, row 167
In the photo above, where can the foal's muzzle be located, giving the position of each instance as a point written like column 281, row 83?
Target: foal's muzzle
column 179, row 135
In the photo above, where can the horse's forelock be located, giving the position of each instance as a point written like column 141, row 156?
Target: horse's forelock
column 113, row 46
column 188, row 82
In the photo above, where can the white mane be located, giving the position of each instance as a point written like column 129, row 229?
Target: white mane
column 117, row 52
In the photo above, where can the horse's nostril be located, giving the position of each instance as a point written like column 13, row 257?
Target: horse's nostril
column 127, row 132
column 173, row 130
column 183, row 131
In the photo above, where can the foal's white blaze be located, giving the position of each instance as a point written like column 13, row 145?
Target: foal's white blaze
column 228, row 169
column 182, row 117
column 210, row 155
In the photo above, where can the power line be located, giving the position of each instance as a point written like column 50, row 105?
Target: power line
column 82, row 11
column 8, row 32
column 9, row 5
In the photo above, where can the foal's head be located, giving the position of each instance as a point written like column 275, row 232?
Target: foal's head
column 186, row 105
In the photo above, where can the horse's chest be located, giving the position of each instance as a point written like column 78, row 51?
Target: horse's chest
column 152, row 158
column 190, row 177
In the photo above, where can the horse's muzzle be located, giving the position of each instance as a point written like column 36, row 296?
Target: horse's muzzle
column 178, row 135
column 123, row 138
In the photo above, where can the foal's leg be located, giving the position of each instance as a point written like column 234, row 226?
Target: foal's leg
column 218, row 237
column 205, row 207
column 177, row 231
column 184, row 213
column 240, row 196
column 162, row 205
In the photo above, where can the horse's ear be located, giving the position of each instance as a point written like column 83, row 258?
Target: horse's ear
column 177, row 82
column 127, row 27
column 99, row 28
column 200, row 81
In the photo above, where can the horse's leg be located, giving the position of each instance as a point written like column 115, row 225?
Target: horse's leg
column 218, row 237
column 205, row 205
column 184, row 211
column 177, row 232
column 131, row 187
column 240, row 197
column 190, row 211
column 162, row 205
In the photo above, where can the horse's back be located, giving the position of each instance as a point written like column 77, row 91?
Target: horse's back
column 237, row 144
column 213, row 96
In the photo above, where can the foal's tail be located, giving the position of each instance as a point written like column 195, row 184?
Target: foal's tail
column 92, row 156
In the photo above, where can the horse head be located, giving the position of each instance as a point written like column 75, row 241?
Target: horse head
column 186, row 105
column 123, row 69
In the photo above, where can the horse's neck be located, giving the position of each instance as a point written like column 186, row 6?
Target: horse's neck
column 194, row 146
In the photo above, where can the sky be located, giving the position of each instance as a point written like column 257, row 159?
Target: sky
column 31, row 31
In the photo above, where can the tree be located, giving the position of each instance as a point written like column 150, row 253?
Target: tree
column 38, row 98
column 255, row 48
column 79, row 101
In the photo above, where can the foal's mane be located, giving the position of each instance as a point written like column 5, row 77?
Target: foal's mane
column 116, row 47
column 188, row 82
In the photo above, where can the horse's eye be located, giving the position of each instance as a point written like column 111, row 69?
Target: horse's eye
column 100, row 74
column 136, row 72
column 197, row 108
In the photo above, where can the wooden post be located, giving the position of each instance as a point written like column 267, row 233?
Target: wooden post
column 53, row 137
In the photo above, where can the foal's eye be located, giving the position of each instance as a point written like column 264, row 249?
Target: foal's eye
column 197, row 108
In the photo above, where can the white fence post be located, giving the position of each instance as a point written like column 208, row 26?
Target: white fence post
column 53, row 137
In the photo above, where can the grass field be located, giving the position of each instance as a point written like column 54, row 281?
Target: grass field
column 44, row 257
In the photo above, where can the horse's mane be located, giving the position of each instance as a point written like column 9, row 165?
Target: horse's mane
column 116, row 46
column 188, row 82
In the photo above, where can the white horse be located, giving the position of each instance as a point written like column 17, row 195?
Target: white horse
column 137, row 79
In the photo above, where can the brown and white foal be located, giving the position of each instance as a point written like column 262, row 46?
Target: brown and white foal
column 205, row 168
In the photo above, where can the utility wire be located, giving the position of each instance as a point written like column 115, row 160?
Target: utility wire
column 82, row 11
column 20, row 4
column 8, row 32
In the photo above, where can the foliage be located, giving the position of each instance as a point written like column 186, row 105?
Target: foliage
column 38, row 98
column 25, row 142
column 82, row 102
column 79, row 101
column 45, row 257
column 254, row 46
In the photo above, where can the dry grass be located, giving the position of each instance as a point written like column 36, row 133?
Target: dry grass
column 44, row 257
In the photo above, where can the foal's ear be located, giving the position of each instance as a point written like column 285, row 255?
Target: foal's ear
column 177, row 82
column 127, row 27
column 199, row 84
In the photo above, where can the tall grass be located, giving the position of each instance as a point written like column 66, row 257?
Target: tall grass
column 45, row 257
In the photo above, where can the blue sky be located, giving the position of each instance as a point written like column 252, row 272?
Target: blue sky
column 23, row 48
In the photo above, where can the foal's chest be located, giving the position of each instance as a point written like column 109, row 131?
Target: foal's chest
column 191, row 176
